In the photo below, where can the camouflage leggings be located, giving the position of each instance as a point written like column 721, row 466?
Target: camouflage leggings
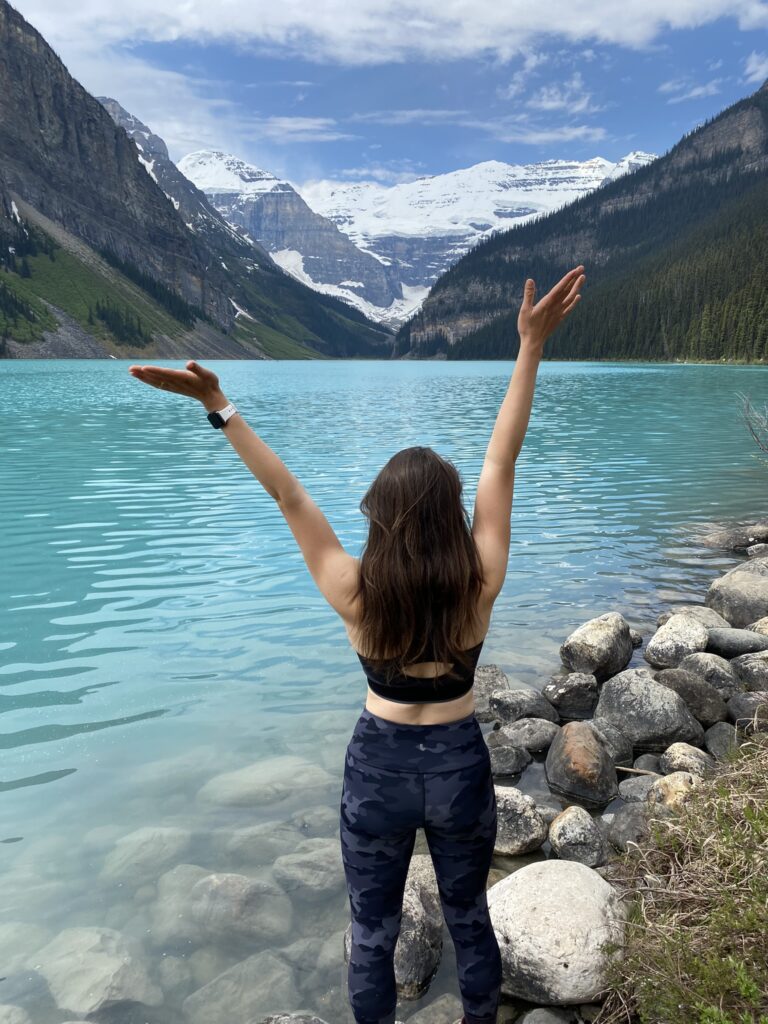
column 398, row 778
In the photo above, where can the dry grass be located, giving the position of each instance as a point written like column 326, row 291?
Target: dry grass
column 696, row 948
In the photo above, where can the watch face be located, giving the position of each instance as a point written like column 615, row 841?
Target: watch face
column 216, row 419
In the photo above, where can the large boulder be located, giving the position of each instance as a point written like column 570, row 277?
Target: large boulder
column 649, row 714
column 715, row 670
column 681, row 635
column 579, row 766
column 741, row 594
column 574, row 695
column 707, row 616
column 600, row 647
column 552, row 920
column 261, row 982
column 702, row 700
column 732, row 643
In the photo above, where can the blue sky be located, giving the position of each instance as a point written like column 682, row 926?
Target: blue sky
column 389, row 89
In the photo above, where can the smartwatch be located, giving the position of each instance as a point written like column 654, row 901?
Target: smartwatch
column 218, row 419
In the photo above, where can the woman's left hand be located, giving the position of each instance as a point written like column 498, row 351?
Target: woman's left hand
column 195, row 382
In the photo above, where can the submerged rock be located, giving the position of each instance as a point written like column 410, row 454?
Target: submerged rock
column 601, row 646
column 551, row 919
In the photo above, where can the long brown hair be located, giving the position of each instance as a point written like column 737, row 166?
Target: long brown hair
column 420, row 570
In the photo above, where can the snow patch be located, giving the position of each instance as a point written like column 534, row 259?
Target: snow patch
column 148, row 167
column 15, row 212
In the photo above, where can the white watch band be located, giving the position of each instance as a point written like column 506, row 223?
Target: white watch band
column 227, row 412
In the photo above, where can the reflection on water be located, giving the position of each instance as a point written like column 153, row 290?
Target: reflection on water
column 176, row 695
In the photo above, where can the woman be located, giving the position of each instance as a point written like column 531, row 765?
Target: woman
column 416, row 607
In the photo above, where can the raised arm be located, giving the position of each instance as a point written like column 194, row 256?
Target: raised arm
column 332, row 568
column 493, row 501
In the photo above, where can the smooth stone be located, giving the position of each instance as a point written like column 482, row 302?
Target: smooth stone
column 681, row 635
column 579, row 765
column 144, row 854
column 244, row 991
column 574, row 695
column 731, row 643
column 702, row 700
column 573, row 835
column 601, row 646
column 715, row 670
column 509, row 705
column 682, row 757
column 635, row 788
column 170, row 916
column 752, row 669
column 648, row 762
column 552, row 919
column 649, row 714
column 520, row 827
column 94, row 969
column 269, row 781
column 228, row 907
column 532, row 734
column 487, row 679
column 761, row 626
column 618, row 745
column 669, row 793
column 507, row 759
column 706, row 616
column 741, row 594
column 721, row 739
column 749, row 710
column 313, row 873
column 629, row 825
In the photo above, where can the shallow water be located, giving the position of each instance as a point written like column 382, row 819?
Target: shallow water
column 160, row 627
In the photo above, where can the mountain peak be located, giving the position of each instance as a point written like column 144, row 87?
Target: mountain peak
column 215, row 171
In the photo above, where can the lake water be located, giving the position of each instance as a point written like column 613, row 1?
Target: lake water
column 159, row 628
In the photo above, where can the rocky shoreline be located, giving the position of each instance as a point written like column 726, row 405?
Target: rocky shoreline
column 218, row 924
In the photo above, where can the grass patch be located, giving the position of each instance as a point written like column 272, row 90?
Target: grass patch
column 271, row 342
column 696, row 948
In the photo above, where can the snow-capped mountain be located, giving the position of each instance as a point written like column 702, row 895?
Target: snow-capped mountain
column 310, row 247
column 424, row 226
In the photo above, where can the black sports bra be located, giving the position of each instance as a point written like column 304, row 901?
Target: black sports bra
column 404, row 689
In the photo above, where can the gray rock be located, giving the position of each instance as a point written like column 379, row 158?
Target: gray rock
column 552, row 919
column 650, row 715
column 509, row 705
column 507, row 759
column 636, row 637
column 573, row 835
column 618, row 745
column 741, row 594
column 11, row 1014
column 738, row 538
column 171, row 917
column 228, row 907
column 681, row 635
column 145, row 854
column 520, row 826
column 579, row 765
column 648, row 762
column 313, row 873
column 600, row 647
column 702, row 700
column 487, row 679
column 290, row 1018
column 90, row 970
column 682, row 757
column 720, row 739
column 749, row 711
column 635, row 788
column 752, row 669
column 707, row 616
column 629, row 825
column 757, row 550
column 267, row 782
column 244, row 991
column 715, row 670
column 545, row 1015
column 761, row 626
column 731, row 643
column 533, row 734
column 574, row 695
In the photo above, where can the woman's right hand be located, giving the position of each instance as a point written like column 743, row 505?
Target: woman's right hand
column 536, row 323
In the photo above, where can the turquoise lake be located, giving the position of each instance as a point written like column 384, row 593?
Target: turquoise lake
column 160, row 628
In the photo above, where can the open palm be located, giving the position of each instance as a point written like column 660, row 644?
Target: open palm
column 196, row 381
column 536, row 323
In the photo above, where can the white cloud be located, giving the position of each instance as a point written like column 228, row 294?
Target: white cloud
column 756, row 67
column 295, row 129
column 531, row 60
column 416, row 116
column 376, row 31
column 534, row 135
column 570, row 96
column 689, row 92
